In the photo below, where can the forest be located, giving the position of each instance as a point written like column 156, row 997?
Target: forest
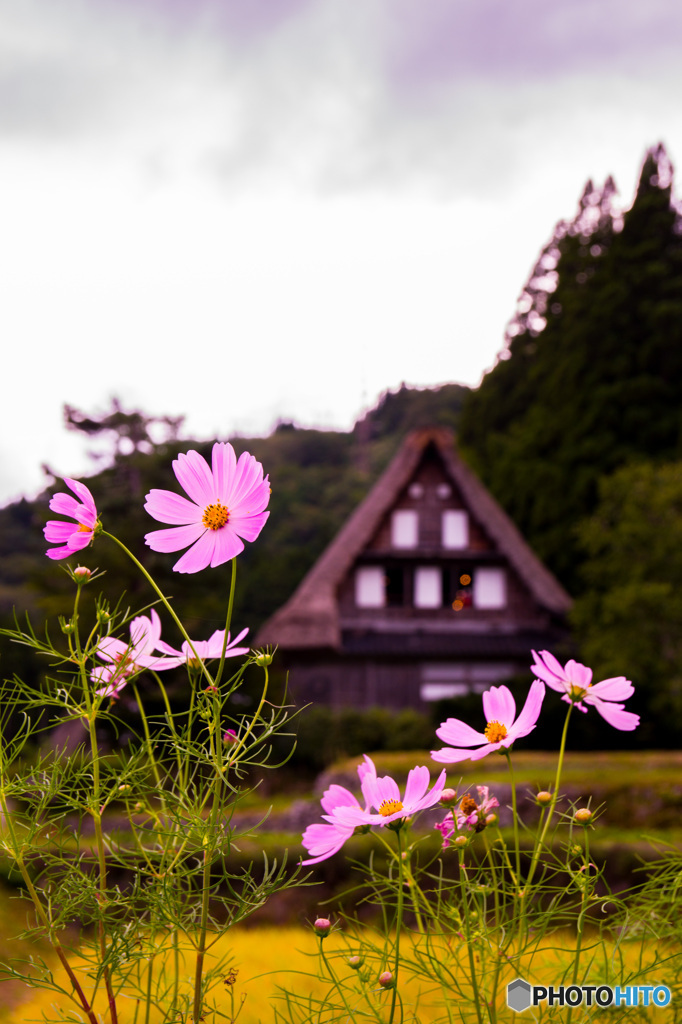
column 577, row 431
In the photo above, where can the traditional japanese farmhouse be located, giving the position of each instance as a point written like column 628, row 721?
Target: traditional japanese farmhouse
column 428, row 592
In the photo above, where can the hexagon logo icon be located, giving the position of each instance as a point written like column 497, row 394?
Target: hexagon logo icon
column 518, row 995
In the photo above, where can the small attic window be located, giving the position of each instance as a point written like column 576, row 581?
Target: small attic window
column 370, row 587
column 455, row 528
column 443, row 491
column 490, row 588
column 428, row 587
column 405, row 528
column 416, row 490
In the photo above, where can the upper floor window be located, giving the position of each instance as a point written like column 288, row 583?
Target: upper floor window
column 428, row 587
column 370, row 587
column 490, row 588
column 405, row 528
column 455, row 528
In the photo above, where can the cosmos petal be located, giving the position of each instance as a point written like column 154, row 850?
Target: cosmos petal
column 195, row 478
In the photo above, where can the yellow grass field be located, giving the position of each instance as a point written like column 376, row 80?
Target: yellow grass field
column 271, row 960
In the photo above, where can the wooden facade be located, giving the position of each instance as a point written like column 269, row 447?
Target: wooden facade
column 428, row 592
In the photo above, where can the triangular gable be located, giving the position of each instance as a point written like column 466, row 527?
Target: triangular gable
column 310, row 617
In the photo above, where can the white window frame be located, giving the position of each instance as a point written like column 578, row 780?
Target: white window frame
column 428, row 587
column 490, row 588
column 455, row 529
column 370, row 587
column 405, row 528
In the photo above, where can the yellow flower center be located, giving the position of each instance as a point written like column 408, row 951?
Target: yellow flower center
column 84, row 529
column 494, row 732
column 390, row 807
column 576, row 693
column 215, row 516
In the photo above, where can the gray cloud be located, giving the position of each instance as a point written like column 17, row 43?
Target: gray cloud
column 329, row 95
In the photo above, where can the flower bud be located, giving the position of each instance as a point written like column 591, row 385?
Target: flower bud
column 355, row 962
column 543, row 798
column 229, row 736
column 82, row 574
column 386, row 979
column 448, row 798
column 583, row 815
column 461, row 841
column 323, row 926
column 263, row 658
column 491, row 819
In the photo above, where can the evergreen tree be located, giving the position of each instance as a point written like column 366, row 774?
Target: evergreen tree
column 592, row 374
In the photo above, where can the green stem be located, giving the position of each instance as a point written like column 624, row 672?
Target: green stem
column 398, row 928
column 515, row 818
column 581, row 916
column 228, row 621
column 339, row 987
column 242, row 741
column 42, row 915
column 539, row 845
column 467, row 933
column 101, row 857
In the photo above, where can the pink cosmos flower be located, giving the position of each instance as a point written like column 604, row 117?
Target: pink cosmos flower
column 324, row 840
column 124, row 660
column 383, row 795
column 72, row 536
column 227, row 502
column 501, row 731
column 205, row 649
column 574, row 681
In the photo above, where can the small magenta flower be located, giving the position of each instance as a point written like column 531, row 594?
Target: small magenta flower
column 574, row 681
column 499, row 708
column 207, row 650
column 229, row 736
column 72, row 536
column 227, row 503
column 124, row 660
column 474, row 815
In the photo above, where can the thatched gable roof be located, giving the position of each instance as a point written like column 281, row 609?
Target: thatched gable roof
column 310, row 618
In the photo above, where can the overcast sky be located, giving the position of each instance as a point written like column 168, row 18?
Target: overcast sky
column 245, row 210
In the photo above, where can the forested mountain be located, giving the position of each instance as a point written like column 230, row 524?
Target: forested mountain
column 591, row 375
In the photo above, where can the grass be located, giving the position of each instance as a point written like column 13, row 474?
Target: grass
column 272, row 962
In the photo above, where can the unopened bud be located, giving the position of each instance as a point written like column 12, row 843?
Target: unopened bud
column 229, row 736
column 448, row 798
column 355, row 962
column 491, row 819
column 323, row 926
column 386, row 979
column 461, row 841
column 82, row 573
column 544, row 798
column 583, row 815
column 263, row 658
